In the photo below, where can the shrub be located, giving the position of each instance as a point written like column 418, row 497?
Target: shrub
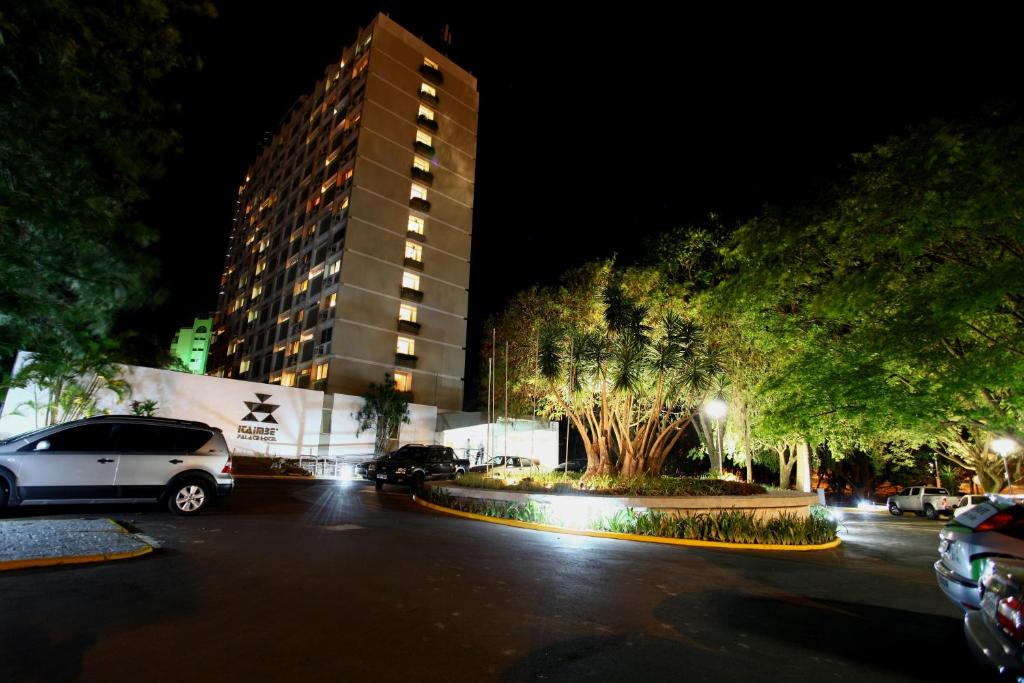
column 573, row 483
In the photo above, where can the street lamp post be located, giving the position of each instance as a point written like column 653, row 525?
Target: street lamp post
column 1004, row 446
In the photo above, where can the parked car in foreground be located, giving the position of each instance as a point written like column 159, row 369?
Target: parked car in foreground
column 927, row 500
column 994, row 529
column 506, row 464
column 117, row 458
column 995, row 632
column 413, row 464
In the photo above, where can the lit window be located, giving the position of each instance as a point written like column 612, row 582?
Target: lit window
column 428, row 89
column 403, row 381
column 405, row 346
column 256, row 291
column 421, row 164
column 410, row 281
column 413, row 251
column 244, row 365
column 321, row 372
column 344, row 204
column 424, row 138
column 426, row 113
column 262, row 265
column 333, row 301
column 334, row 268
column 252, row 315
column 418, row 192
column 293, row 348
column 275, row 378
column 430, row 63
column 407, row 313
column 416, row 224
column 288, row 379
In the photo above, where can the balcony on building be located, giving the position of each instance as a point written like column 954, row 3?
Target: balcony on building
column 413, row 235
column 429, row 124
column 424, row 149
column 419, row 204
column 427, row 97
column 407, row 395
column 410, row 294
column 408, row 326
column 431, row 74
column 423, row 176
column 413, row 263
column 405, row 360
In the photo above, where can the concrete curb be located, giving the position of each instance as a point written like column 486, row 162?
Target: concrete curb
column 625, row 537
column 9, row 565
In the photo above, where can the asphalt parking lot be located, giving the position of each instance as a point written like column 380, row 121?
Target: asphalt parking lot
column 300, row 580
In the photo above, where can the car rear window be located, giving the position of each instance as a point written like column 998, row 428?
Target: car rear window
column 147, row 438
column 935, row 492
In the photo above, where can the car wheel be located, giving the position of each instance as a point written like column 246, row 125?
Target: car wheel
column 189, row 497
column 930, row 512
column 378, row 484
column 894, row 511
column 458, row 474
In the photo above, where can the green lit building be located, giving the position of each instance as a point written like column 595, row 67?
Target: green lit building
column 191, row 345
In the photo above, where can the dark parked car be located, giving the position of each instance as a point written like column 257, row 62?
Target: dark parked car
column 574, row 466
column 413, row 464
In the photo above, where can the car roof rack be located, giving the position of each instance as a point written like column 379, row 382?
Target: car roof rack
column 143, row 418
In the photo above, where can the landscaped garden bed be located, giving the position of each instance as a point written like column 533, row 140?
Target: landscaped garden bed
column 698, row 509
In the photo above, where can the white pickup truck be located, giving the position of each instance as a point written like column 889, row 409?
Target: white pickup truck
column 923, row 500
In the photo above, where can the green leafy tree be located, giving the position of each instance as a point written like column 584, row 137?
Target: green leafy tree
column 384, row 410
column 612, row 351
column 68, row 385
column 84, row 130
column 889, row 311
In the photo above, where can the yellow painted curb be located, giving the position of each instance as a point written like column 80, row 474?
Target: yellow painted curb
column 76, row 559
column 625, row 537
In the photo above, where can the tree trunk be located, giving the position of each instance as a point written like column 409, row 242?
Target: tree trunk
column 803, row 467
column 786, row 461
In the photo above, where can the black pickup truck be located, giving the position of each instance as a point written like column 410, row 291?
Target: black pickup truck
column 413, row 464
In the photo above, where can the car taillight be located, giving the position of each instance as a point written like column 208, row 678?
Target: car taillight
column 1010, row 618
column 1000, row 519
column 227, row 466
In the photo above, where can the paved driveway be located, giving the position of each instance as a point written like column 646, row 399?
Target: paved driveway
column 321, row 581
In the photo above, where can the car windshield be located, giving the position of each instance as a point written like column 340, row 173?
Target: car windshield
column 23, row 435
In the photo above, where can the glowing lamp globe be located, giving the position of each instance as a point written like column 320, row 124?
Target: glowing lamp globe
column 716, row 408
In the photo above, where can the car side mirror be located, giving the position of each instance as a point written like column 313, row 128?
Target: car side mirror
column 43, row 445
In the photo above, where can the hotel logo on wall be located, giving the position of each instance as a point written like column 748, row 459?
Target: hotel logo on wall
column 257, row 408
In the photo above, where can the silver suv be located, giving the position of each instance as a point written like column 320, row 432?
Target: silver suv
column 117, row 458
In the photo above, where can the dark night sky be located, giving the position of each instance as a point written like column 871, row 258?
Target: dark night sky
column 595, row 129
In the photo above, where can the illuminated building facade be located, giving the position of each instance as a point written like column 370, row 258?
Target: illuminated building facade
column 349, row 252
column 191, row 345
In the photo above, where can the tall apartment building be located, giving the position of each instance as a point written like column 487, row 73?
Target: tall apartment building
column 349, row 252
